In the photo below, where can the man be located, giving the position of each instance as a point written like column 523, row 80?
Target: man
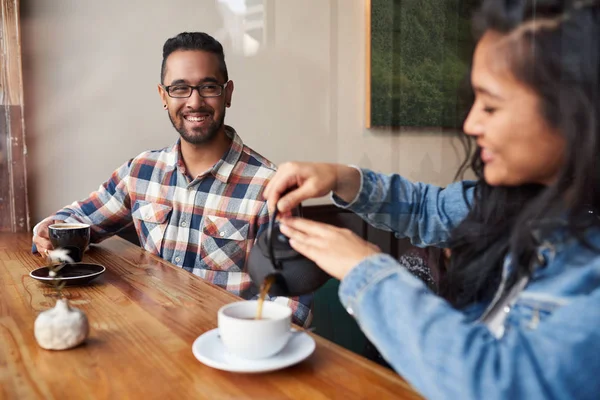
column 198, row 204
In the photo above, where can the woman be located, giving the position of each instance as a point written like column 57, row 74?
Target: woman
column 519, row 311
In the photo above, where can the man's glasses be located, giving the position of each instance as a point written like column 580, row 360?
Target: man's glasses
column 205, row 90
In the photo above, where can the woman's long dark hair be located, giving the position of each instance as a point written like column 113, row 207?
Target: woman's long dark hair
column 554, row 48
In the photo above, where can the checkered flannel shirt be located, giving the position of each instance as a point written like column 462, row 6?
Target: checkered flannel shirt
column 205, row 225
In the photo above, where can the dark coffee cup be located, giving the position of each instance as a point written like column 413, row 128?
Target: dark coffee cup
column 73, row 237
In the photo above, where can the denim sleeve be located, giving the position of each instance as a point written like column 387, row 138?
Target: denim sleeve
column 446, row 356
column 107, row 210
column 426, row 214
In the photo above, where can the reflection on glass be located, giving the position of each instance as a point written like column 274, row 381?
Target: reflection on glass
column 243, row 25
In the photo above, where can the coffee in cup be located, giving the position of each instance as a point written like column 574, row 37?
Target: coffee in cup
column 245, row 336
column 73, row 237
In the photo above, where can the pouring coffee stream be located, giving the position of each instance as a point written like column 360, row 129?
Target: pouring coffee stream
column 291, row 272
column 264, row 289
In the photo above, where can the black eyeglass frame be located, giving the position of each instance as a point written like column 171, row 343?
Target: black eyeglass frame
column 197, row 88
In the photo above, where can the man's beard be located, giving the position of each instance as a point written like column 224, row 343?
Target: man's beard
column 201, row 138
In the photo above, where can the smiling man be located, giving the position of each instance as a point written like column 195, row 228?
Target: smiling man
column 198, row 203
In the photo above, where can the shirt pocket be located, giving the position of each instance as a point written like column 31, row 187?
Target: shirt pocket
column 224, row 243
column 151, row 220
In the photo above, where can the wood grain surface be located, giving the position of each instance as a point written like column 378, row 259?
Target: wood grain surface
column 144, row 315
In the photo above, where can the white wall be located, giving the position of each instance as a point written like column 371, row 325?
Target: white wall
column 302, row 97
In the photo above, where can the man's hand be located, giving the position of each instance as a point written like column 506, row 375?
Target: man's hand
column 41, row 238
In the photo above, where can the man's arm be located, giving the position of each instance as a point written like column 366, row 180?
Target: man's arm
column 107, row 211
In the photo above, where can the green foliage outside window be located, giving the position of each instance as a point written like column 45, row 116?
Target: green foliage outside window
column 420, row 54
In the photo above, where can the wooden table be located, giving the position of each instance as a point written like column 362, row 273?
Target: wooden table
column 144, row 315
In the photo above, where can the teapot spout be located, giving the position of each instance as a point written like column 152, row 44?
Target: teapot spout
column 275, row 285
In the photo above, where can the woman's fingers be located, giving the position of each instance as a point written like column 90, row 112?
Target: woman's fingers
column 305, row 227
column 306, row 180
column 307, row 250
column 292, row 233
column 280, row 183
column 305, row 241
column 295, row 197
column 333, row 249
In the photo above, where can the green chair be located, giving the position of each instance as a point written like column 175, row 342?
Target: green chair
column 331, row 321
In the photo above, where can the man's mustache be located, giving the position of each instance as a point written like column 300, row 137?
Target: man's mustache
column 198, row 111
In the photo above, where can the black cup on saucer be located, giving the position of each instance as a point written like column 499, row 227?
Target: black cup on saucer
column 73, row 237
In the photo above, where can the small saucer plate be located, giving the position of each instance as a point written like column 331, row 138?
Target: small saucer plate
column 209, row 350
column 72, row 273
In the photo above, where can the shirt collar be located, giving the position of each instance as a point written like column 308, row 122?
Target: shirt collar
column 222, row 169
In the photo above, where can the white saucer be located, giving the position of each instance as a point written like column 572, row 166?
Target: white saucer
column 209, row 350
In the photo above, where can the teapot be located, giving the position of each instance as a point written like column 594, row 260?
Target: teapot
column 294, row 274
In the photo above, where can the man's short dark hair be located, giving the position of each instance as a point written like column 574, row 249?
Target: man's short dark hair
column 193, row 41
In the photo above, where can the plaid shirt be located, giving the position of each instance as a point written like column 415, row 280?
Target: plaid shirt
column 205, row 225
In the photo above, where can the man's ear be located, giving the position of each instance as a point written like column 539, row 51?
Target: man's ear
column 229, row 93
column 163, row 95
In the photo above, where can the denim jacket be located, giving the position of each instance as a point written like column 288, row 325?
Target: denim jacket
column 544, row 343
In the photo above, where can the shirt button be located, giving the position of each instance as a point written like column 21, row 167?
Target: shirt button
column 184, row 224
column 177, row 259
column 222, row 234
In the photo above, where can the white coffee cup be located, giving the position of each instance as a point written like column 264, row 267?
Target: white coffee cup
column 246, row 337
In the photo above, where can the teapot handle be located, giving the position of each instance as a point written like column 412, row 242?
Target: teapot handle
column 276, row 264
column 270, row 237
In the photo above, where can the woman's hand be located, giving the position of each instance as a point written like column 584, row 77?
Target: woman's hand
column 310, row 180
column 335, row 250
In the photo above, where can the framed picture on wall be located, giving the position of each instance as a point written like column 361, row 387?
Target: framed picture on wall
column 418, row 57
